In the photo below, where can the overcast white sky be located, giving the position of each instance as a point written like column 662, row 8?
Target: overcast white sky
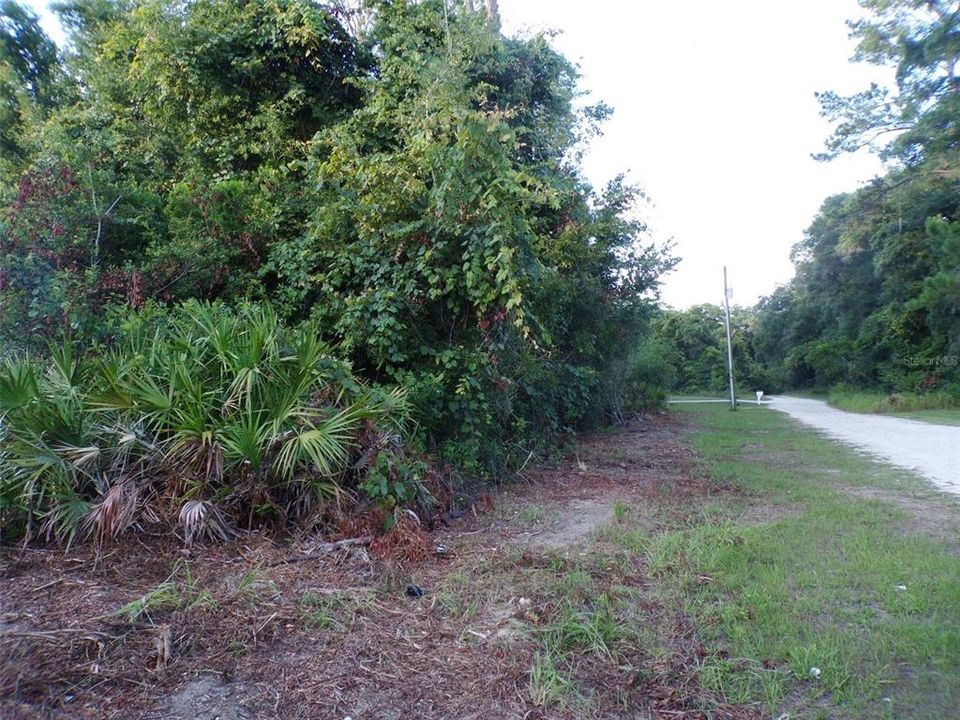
column 715, row 118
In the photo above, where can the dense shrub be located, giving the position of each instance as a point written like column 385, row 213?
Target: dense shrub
column 213, row 417
column 408, row 184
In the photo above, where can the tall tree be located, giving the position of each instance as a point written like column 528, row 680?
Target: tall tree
column 921, row 40
column 871, row 302
column 31, row 82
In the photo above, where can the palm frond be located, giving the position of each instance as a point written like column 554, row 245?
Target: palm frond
column 245, row 439
column 202, row 401
column 18, row 384
column 64, row 519
column 112, row 514
column 199, row 518
column 66, row 369
column 325, row 445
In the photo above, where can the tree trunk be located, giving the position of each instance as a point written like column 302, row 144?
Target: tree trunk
column 493, row 13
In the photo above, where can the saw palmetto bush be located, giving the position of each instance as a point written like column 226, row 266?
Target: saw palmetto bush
column 214, row 418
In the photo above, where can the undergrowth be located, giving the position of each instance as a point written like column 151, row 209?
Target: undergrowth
column 203, row 417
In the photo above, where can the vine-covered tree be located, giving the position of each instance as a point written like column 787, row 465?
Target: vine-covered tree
column 399, row 173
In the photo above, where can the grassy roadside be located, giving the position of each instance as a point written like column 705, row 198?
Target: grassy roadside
column 937, row 417
column 815, row 583
column 628, row 578
column 830, row 606
column 938, row 408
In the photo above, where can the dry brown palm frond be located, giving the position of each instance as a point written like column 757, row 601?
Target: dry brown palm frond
column 199, row 518
column 113, row 514
column 197, row 456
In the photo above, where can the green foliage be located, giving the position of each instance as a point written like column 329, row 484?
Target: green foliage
column 649, row 375
column 939, row 298
column 219, row 417
column 177, row 167
column 874, row 300
column 48, row 257
column 694, row 343
column 393, row 480
column 454, row 251
column 921, row 40
column 409, row 187
column 31, row 82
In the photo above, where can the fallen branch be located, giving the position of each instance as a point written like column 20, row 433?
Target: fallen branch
column 325, row 549
column 49, row 584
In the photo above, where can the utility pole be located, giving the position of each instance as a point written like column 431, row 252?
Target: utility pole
column 726, row 312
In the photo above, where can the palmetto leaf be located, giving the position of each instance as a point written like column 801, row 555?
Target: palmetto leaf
column 245, row 439
column 64, row 519
column 209, row 402
column 149, row 394
column 325, row 445
column 199, row 458
column 80, row 457
column 31, row 455
column 113, row 513
column 66, row 370
column 392, row 407
column 18, row 384
column 242, row 386
column 308, row 351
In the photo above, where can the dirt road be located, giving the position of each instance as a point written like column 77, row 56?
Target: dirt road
column 932, row 451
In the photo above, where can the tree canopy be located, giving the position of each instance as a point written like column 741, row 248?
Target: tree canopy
column 917, row 121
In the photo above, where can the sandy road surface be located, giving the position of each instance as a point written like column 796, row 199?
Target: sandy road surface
column 933, row 451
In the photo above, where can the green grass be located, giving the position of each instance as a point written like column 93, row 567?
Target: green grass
column 335, row 612
column 548, row 684
column 788, row 573
column 178, row 591
column 832, row 584
column 532, row 514
column 947, row 416
column 942, row 408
